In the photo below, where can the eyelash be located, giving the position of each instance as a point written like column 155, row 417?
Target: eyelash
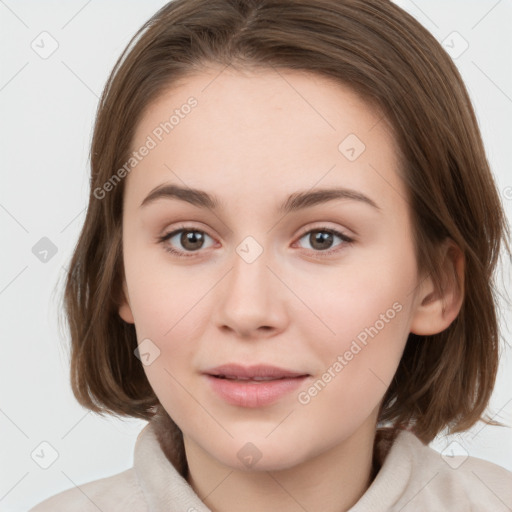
column 164, row 238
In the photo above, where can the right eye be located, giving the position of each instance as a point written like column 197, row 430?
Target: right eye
column 191, row 241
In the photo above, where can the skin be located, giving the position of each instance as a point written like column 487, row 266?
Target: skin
column 253, row 139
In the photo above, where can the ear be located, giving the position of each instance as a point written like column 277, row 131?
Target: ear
column 125, row 310
column 437, row 308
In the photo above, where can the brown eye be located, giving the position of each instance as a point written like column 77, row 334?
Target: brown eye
column 320, row 240
column 191, row 240
column 185, row 242
column 323, row 239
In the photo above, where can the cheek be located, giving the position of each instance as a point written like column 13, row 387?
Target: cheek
column 169, row 307
column 171, row 318
column 361, row 299
column 165, row 306
column 163, row 297
column 368, row 309
column 357, row 371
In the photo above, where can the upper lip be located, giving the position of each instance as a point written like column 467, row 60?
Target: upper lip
column 248, row 372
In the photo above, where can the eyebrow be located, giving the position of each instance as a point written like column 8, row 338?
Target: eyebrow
column 297, row 201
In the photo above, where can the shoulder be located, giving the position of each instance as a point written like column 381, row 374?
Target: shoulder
column 116, row 493
column 444, row 482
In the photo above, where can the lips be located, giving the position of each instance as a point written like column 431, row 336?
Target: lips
column 253, row 386
column 257, row 373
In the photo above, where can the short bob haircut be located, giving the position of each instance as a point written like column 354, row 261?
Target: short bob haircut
column 390, row 60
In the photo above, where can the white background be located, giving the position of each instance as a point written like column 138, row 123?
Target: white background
column 47, row 110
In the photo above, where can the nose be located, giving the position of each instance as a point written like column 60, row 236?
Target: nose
column 251, row 301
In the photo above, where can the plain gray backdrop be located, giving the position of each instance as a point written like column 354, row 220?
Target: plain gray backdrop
column 55, row 59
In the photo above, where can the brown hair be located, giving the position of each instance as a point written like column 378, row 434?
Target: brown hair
column 391, row 60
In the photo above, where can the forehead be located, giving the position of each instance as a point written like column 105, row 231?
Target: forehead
column 263, row 131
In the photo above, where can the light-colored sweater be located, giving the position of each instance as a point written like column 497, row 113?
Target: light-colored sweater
column 413, row 478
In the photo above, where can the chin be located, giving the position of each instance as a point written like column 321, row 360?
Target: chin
column 259, row 456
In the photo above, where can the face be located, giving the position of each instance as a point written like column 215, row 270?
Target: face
column 266, row 270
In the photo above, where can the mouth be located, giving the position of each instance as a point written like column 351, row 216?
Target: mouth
column 254, row 386
column 254, row 379
column 257, row 373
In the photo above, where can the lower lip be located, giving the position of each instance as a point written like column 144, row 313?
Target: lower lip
column 252, row 393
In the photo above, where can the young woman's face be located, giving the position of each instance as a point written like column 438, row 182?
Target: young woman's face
column 301, row 258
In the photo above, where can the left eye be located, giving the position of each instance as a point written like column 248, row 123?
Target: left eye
column 322, row 239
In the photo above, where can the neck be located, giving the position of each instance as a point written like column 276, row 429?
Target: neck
column 333, row 481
